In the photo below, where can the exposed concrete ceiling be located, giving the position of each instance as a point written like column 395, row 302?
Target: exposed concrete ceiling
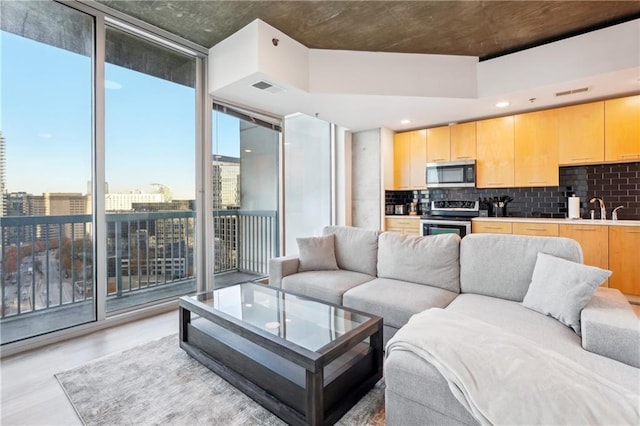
column 484, row 29
column 473, row 28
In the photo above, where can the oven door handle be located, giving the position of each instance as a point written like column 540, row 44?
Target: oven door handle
column 446, row 222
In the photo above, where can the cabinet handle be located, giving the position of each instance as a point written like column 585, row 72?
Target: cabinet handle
column 537, row 181
column 585, row 229
column 463, row 158
column 632, row 232
column 536, row 229
column 630, row 155
column 581, row 158
column 493, row 227
column 495, row 183
column 438, row 159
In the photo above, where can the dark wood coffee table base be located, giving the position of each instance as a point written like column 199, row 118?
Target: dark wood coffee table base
column 312, row 389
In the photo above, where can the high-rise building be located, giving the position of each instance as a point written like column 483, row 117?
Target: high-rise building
column 67, row 204
column 226, row 182
column 124, row 202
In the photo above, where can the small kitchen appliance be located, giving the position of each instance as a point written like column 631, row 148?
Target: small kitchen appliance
column 451, row 174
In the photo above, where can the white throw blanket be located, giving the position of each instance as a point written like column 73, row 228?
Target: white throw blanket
column 502, row 378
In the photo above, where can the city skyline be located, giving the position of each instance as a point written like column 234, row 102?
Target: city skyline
column 49, row 134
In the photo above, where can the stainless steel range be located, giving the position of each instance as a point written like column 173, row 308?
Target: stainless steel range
column 448, row 217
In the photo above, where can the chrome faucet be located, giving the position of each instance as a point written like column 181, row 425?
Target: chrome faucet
column 614, row 214
column 603, row 208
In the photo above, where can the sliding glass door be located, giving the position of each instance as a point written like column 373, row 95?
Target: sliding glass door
column 150, row 171
column 245, row 176
column 47, row 279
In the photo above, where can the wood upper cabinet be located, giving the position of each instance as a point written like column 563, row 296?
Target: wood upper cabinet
column 624, row 242
column 438, row 142
column 409, row 159
column 581, row 134
column 594, row 240
column 536, row 149
column 622, row 129
column 495, row 153
column 463, row 141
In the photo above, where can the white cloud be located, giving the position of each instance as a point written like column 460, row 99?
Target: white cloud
column 112, row 85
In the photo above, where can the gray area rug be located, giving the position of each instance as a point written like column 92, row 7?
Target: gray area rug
column 159, row 384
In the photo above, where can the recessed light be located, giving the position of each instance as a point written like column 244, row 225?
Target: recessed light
column 247, row 150
column 503, row 104
column 405, row 121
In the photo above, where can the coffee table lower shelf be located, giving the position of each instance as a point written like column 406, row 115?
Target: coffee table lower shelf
column 295, row 393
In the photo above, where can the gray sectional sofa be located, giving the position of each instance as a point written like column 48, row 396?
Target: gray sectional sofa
column 494, row 283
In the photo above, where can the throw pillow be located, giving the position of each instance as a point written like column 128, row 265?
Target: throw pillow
column 317, row 253
column 561, row 288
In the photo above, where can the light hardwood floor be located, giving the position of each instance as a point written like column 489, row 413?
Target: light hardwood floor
column 31, row 394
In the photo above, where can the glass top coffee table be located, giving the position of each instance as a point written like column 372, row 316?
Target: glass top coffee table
column 305, row 360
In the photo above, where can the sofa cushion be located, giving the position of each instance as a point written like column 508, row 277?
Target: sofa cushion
column 545, row 331
column 432, row 260
column 561, row 288
column 395, row 301
column 324, row 285
column 502, row 265
column 317, row 253
column 356, row 248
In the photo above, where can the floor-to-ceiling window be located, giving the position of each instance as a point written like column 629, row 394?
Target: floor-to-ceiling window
column 97, row 175
column 245, row 176
column 150, row 170
column 47, row 279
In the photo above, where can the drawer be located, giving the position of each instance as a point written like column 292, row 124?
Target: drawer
column 491, row 227
column 541, row 229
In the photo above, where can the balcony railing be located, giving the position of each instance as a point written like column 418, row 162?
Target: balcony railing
column 47, row 261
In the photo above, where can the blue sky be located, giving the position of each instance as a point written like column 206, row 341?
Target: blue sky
column 45, row 117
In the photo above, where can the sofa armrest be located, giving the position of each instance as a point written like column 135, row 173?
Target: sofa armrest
column 280, row 267
column 610, row 327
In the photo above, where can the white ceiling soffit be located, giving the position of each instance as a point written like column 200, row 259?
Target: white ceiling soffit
column 366, row 90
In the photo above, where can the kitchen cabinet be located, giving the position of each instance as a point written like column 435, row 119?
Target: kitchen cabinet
column 622, row 129
column 463, row 141
column 495, row 153
column 409, row 160
column 581, row 134
column 438, row 144
column 624, row 242
column 539, row 229
column 491, row 227
column 594, row 240
column 404, row 226
column 536, row 149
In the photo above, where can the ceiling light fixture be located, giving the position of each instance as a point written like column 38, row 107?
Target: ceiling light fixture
column 503, row 104
column 247, row 150
column 405, row 121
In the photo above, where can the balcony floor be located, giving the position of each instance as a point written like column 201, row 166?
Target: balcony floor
column 44, row 321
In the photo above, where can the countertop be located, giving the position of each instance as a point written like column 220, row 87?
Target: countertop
column 621, row 222
column 401, row 216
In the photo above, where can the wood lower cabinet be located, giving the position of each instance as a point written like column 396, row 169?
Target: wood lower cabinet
column 495, row 153
column 594, row 240
column 536, row 149
column 539, row 229
column 624, row 259
column 402, row 226
column 491, row 227
column 581, row 134
column 622, row 129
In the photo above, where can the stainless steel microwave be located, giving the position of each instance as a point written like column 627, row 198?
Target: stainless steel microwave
column 451, row 174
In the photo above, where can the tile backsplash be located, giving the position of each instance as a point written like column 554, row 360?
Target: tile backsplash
column 617, row 184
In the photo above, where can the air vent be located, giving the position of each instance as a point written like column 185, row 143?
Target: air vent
column 572, row 92
column 267, row 87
